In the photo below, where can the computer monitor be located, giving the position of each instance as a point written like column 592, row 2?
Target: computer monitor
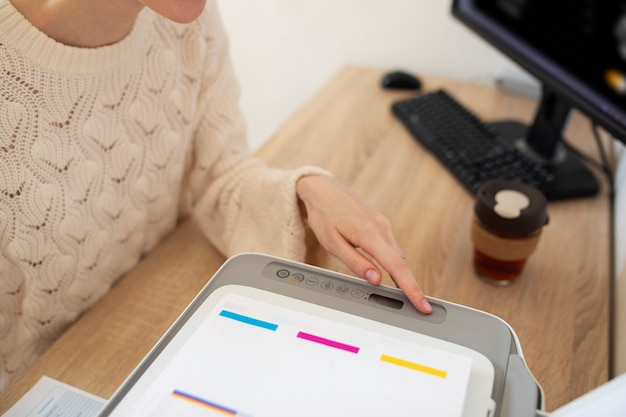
column 577, row 51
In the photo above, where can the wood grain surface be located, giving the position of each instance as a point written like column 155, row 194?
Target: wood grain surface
column 559, row 307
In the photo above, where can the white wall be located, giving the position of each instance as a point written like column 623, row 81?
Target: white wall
column 286, row 50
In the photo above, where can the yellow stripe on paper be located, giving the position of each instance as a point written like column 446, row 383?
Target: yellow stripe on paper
column 415, row 366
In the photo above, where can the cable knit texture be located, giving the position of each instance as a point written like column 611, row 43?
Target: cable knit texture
column 103, row 150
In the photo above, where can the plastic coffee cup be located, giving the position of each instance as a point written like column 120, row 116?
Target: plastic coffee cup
column 508, row 220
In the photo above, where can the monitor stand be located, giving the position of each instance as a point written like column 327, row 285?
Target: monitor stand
column 542, row 142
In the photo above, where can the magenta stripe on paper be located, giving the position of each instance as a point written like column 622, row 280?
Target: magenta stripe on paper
column 328, row 342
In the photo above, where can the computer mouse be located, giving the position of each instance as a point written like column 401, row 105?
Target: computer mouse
column 400, row 80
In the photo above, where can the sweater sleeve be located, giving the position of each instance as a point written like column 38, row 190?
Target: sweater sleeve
column 240, row 203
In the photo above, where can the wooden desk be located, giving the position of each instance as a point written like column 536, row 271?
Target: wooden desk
column 559, row 307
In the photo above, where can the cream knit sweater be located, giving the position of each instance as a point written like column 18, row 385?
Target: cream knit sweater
column 103, row 150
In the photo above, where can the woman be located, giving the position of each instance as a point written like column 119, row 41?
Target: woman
column 117, row 118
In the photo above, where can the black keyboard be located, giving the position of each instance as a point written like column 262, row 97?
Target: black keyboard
column 467, row 147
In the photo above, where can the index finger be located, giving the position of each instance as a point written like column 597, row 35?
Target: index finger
column 400, row 273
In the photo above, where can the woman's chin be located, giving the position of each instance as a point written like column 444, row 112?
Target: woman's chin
column 179, row 11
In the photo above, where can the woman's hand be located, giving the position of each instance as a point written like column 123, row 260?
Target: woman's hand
column 343, row 223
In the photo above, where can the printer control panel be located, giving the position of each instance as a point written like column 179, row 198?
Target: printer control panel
column 350, row 289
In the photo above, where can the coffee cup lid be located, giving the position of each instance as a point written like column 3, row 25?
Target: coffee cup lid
column 511, row 206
